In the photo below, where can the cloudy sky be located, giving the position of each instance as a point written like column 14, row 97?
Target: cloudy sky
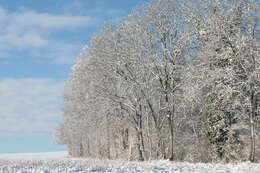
column 39, row 41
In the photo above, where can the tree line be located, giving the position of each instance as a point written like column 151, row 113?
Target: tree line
column 177, row 80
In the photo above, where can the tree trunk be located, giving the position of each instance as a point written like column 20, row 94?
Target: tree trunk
column 252, row 124
column 88, row 154
column 125, row 140
column 81, row 150
column 160, row 149
column 108, row 138
column 252, row 140
column 142, row 146
column 130, row 150
column 171, row 136
column 139, row 131
column 139, row 146
column 170, row 124
column 149, row 138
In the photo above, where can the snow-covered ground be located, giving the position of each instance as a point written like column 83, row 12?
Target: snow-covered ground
column 45, row 155
column 59, row 162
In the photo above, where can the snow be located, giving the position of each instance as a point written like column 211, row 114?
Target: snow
column 59, row 162
column 45, row 155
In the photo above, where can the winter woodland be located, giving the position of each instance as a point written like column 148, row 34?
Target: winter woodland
column 176, row 80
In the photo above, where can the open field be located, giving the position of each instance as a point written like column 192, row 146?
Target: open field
column 59, row 162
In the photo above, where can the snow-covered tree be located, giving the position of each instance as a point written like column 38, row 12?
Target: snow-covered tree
column 177, row 80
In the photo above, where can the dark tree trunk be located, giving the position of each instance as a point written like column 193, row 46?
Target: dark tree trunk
column 252, row 116
column 139, row 131
column 171, row 137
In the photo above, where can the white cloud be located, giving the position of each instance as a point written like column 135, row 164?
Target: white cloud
column 32, row 31
column 35, row 33
column 29, row 105
column 28, row 39
column 50, row 21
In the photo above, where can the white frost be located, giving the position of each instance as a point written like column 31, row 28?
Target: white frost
column 59, row 162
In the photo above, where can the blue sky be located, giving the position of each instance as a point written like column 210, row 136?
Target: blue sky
column 39, row 42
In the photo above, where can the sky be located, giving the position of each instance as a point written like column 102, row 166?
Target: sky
column 39, row 42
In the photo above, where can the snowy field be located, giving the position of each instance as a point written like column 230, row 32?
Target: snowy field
column 59, row 162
